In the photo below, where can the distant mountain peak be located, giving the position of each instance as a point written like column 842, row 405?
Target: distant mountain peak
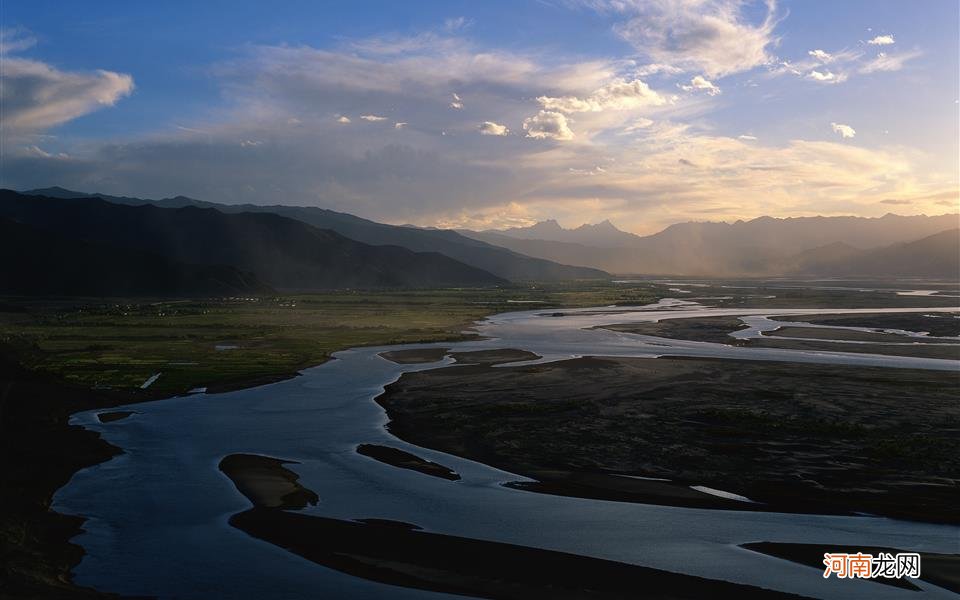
column 546, row 225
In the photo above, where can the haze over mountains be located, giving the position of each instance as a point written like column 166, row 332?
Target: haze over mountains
column 496, row 260
column 98, row 244
column 759, row 247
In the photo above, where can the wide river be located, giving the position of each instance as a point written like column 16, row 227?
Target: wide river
column 158, row 513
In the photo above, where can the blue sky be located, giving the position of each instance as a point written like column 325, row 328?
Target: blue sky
column 492, row 114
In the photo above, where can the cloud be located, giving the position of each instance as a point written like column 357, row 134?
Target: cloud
column 638, row 124
column 699, row 83
column 710, row 36
column 845, row 131
column 34, row 150
column 548, row 125
column 624, row 161
column 14, row 39
column 826, row 76
column 657, row 68
column 895, row 201
column 882, row 40
column 820, row 55
column 747, row 138
column 491, row 128
column 619, row 94
column 456, row 24
column 457, row 103
column 597, row 170
column 37, row 96
column 343, row 119
column 888, row 62
column 373, row 118
column 400, row 125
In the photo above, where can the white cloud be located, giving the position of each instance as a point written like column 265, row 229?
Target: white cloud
column 37, row 96
column 343, row 119
column 400, row 125
column 35, row 151
column 250, row 143
column 548, row 125
column 491, row 128
column 826, row 76
column 598, row 170
column 710, row 36
column 456, row 24
column 820, row 55
column 888, row 62
column 700, row 83
column 845, row 131
column 882, row 40
column 373, row 118
column 15, row 39
column 616, row 95
column 657, row 68
column 457, row 103
column 641, row 123
column 747, row 138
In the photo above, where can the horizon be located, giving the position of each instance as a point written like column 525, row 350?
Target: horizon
column 569, row 227
column 649, row 114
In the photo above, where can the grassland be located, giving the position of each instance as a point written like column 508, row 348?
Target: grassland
column 60, row 356
column 233, row 342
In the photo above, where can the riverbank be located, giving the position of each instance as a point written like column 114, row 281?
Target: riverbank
column 700, row 432
column 62, row 356
column 401, row 554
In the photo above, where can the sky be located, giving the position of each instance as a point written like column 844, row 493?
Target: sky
column 493, row 114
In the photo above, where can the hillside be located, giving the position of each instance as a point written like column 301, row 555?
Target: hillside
column 51, row 264
column 937, row 255
column 283, row 252
column 762, row 246
column 497, row 260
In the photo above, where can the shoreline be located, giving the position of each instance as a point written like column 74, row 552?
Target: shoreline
column 55, row 545
column 38, row 438
column 402, row 554
column 757, row 433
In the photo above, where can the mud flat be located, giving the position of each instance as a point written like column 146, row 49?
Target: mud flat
column 266, row 482
column 705, row 329
column 938, row 569
column 405, row 460
column 415, row 356
column 934, row 323
column 788, row 436
column 400, row 554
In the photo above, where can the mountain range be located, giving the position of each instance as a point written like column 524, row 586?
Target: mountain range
column 494, row 259
column 760, row 247
column 284, row 253
column 40, row 262
column 207, row 248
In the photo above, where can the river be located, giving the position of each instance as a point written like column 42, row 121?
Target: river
column 158, row 513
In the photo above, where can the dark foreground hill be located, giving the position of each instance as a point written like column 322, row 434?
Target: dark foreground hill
column 284, row 253
column 39, row 262
column 502, row 262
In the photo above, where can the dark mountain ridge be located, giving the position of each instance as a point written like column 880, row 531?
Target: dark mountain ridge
column 497, row 260
column 44, row 263
column 284, row 252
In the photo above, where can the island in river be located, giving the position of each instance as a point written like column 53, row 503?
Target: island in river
column 713, row 433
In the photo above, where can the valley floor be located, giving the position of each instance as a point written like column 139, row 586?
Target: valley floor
column 61, row 356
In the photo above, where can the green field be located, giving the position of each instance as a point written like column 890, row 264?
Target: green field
column 231, row 342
